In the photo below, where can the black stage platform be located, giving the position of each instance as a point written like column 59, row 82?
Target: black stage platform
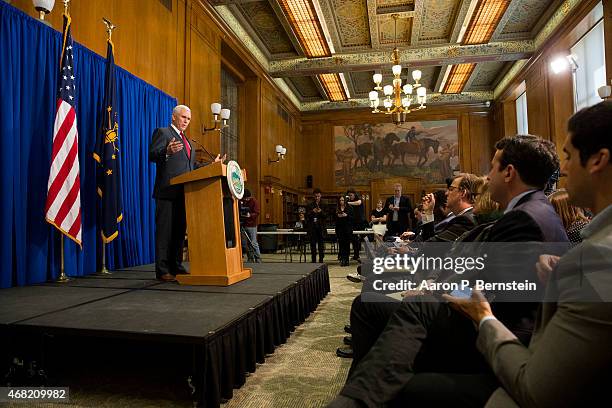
column 225, row 331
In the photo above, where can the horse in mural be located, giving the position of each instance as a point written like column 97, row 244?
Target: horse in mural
column 363, row 151
column 419, row 148
column 381, row 149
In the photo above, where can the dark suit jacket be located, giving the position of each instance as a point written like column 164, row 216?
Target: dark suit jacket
column 311, row 215
column 344, row 225
column 173, row 166
column 533, row 220
column 451, row 230
column 568, row 360
column 403, row 215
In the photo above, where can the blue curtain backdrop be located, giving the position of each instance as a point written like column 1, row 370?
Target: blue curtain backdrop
column 29, row 246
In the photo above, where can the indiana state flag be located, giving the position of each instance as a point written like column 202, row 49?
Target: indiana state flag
column 107, row 156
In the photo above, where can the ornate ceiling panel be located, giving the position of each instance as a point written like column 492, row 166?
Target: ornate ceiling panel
column 486, row 75
column 382, row 4
column 361, row 34
column 263, row 20
column 522, row 18
column 386, row 30
column 361, row 83
column 351, row 22
column 394, row 6
column 306, row 87
column 437, row 20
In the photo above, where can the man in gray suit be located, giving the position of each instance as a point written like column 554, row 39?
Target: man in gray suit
column 172, row 154
column 569, row 357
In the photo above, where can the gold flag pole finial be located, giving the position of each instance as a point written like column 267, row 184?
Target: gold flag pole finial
column 109, row 27
column 66, row 2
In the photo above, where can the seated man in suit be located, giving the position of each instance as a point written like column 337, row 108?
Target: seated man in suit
column 460, row 197
column 424, row 334
column 568, row 360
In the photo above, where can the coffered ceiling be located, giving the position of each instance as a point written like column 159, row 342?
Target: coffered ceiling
column 358, row 37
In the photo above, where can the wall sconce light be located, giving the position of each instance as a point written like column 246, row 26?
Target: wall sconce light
column 220, row 117
column 43, row 7
column 560, row 64
column 280, row 154
column 605, row 91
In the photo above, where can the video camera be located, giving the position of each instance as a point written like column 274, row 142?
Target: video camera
column 243, row 210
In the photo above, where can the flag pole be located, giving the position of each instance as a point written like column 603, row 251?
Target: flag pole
column 105, row 272
column 63, row 278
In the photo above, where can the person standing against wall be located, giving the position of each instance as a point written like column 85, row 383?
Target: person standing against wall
column 355, row 202
column 316, row 226
column 344, row 229
column 249, row 221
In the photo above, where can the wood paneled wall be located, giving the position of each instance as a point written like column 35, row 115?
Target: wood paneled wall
column 550, row 100
column 150, row 40
column 317, row 141
column 181, row 51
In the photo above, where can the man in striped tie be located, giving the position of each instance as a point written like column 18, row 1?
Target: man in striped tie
column 172, row 153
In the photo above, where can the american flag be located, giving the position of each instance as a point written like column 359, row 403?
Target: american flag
column 63, row 208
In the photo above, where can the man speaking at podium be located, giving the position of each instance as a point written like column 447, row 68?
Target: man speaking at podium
column 173, row 155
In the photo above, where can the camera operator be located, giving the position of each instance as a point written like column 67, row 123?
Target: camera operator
column 249, row 212
column 356, row 204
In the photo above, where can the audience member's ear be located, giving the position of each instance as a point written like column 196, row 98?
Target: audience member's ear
column 510, row 173
column 599, row 161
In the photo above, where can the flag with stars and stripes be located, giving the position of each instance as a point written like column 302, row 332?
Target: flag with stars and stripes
column 63, row 208
column 106, row 154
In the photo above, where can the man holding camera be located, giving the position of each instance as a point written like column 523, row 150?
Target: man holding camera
column 358, row 220
column 249, row 212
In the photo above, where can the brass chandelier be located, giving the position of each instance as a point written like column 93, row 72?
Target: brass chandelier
column 397, row 99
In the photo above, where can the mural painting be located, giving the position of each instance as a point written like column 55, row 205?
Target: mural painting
column 428, row 150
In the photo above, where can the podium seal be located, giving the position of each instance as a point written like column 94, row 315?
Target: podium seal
column 235, row 179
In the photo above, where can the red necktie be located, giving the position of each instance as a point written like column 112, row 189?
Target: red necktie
column 187, row 146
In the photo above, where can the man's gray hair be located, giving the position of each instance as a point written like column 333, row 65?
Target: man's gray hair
column 180, row 108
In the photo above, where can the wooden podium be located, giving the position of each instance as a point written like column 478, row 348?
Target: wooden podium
column 213, row 228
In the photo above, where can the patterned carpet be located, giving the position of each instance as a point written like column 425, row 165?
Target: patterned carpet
column 304, row 372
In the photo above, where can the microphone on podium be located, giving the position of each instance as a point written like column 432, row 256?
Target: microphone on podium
column 203, row 148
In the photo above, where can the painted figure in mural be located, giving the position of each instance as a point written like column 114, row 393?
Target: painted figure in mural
column 442, row 162
column 411, row 135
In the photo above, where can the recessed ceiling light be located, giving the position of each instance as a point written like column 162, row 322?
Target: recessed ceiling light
column 305, row 23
